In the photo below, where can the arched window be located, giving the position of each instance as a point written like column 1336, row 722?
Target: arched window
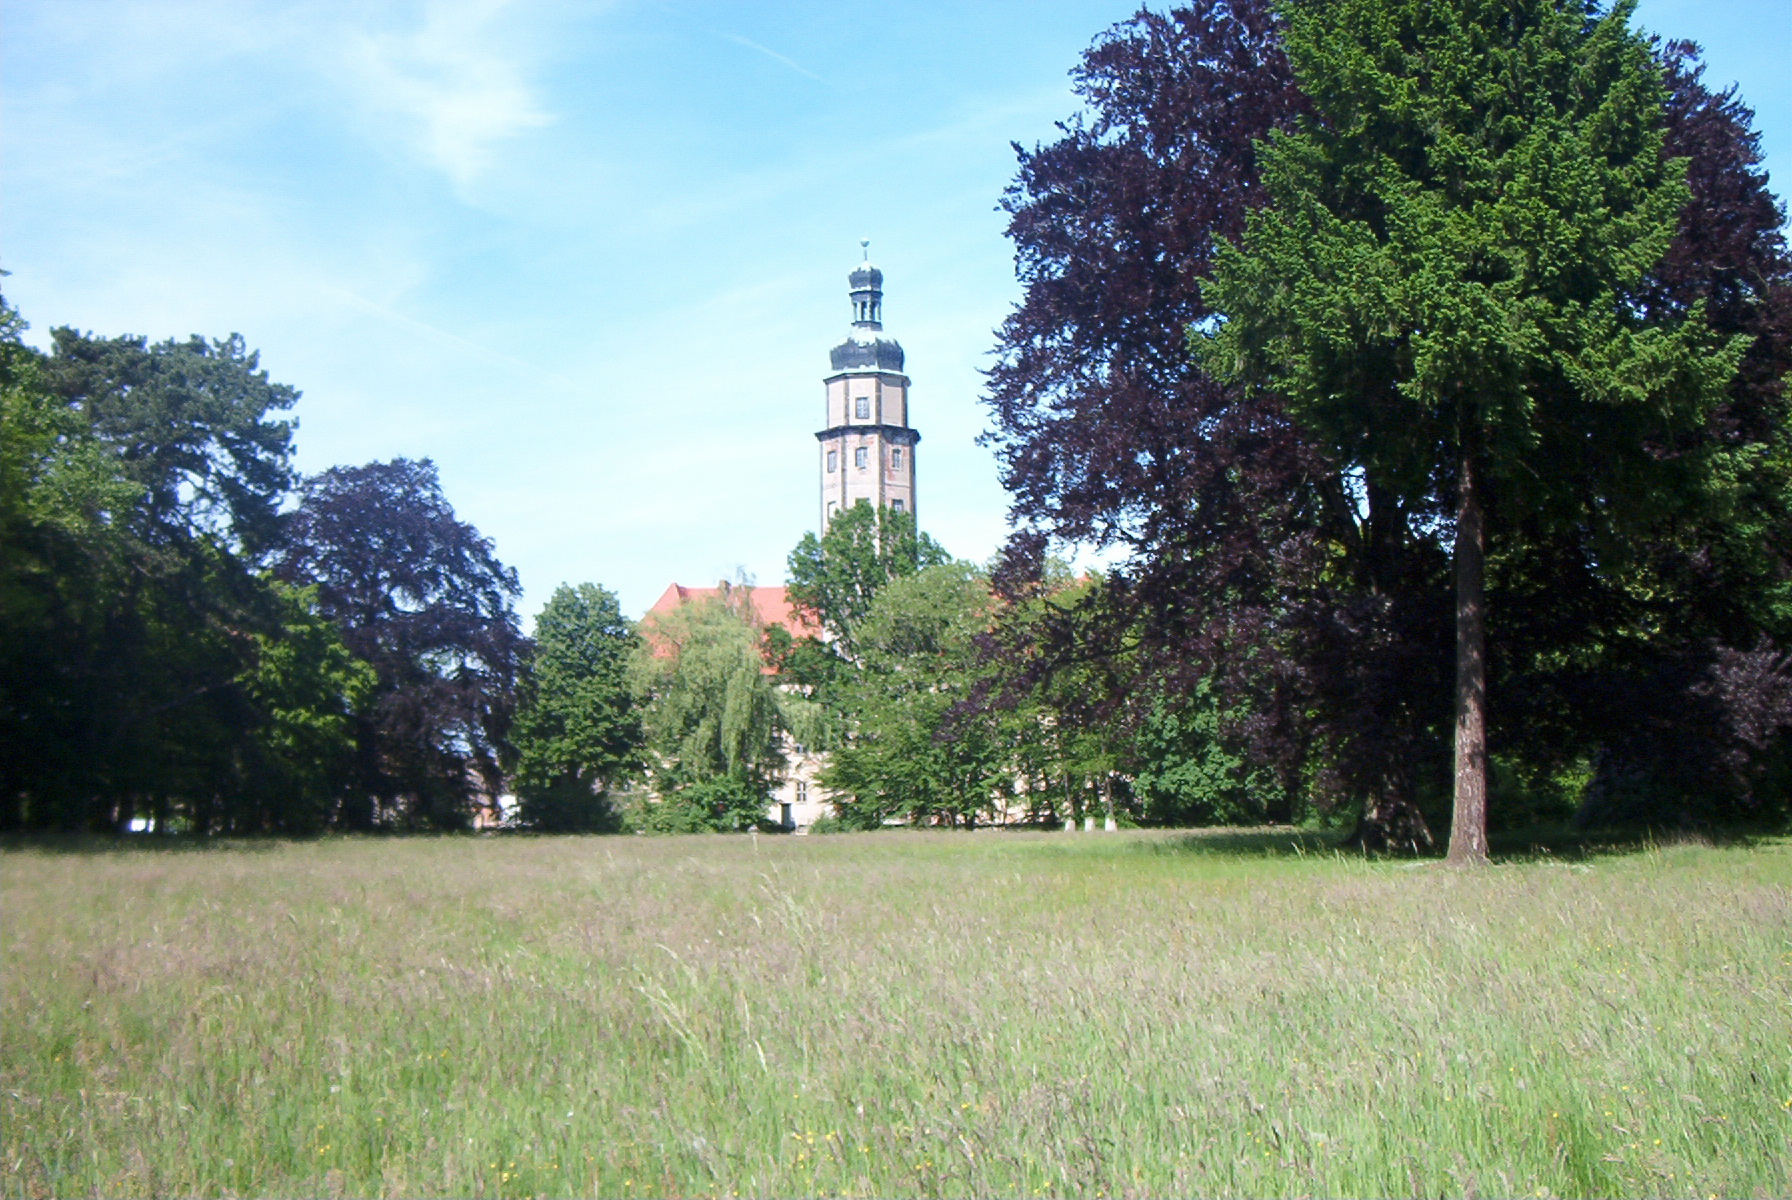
column 860, row 457
column 833, row 460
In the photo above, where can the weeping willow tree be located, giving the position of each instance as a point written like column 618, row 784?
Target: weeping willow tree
column 713, row 713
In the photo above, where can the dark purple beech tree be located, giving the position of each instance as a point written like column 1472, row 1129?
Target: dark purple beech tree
column 1248, row 559
column 421, row 596
column 1309, row 595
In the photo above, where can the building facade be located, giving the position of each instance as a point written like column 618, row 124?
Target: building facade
column 867, row 451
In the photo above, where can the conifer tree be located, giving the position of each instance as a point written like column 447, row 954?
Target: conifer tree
column 1446, row 286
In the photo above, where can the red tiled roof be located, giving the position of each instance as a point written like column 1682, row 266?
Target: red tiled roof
column 770, row 605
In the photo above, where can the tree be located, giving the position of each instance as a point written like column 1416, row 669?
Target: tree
column 906, row 756
column 191, row 425
column 1227, row 521
column 421, row 597
column 836, row 577
column 306, row 690
column 1445, row 288
column 578, row 729
column 1653, row 665
column 61, row 555
column 1307, row 601
column 713, row 713
column 141, row 486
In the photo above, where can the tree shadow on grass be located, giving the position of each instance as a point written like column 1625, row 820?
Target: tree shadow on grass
column 1566, row 844
column 93, row 844
column 1535, row 844
column 1274, row 841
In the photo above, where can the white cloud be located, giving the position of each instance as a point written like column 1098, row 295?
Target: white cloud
column 456, row 82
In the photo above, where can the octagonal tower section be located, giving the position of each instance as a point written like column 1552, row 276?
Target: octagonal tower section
column 868, row 447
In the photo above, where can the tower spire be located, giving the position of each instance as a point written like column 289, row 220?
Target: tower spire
column 867, row 292
column 868, row 447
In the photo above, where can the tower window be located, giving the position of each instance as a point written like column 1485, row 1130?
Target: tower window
column 833, row 460
column 895, row 506
column 860, row 457
column 896, row 459
column 861, row 408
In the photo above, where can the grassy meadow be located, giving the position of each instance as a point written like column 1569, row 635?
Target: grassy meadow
column 893, row 1014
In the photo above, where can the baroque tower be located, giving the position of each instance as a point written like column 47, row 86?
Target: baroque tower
column 867, row 449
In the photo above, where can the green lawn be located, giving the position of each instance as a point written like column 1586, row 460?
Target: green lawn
column 893, row 1013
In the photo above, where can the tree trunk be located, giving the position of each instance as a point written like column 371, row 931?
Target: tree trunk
column 1468, row 822
column 1390, row 821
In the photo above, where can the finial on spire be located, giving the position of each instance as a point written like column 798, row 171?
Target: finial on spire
column 865, row 245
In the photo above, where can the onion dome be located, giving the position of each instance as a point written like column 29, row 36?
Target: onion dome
column 864, row 347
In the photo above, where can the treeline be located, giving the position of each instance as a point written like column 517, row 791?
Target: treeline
column 194, row 638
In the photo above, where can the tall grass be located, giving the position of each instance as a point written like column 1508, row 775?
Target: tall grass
column 892, row 1013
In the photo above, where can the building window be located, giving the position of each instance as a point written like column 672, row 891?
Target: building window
column 831, row 507
column 895, row 506
column 861, row 408
column 802, row 791
column 896, row 459
column 860, row 457
column 833, row 460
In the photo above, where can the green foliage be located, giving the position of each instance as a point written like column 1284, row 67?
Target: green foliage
column 307, row 688
column 1448, row 291
column 836, row 577
column 1455, row 244
column 56, row 479
column 1190, row 774
column 848, row 817
column 578, row 729
column 906, row 756
column 713, row 713
column 191, row 424
column 567, row 804
column 1076, row 739
column 143, row 649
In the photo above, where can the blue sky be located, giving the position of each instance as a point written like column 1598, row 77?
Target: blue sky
column 589, row 257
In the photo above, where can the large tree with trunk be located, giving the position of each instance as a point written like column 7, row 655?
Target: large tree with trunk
column 1263, row 573
column 1445, row 288
column 1226, row 519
